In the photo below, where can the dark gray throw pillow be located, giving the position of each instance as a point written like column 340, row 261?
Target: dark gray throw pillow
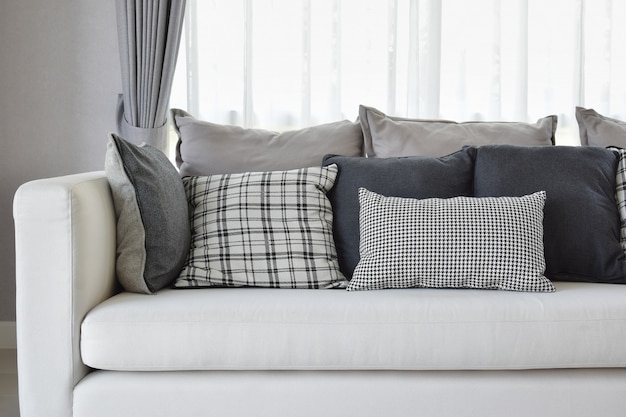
column 153, row 228
column 408, row 177
column 581, row 223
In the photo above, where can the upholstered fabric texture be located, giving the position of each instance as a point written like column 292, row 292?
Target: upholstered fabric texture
column 582, row 223
column 267, row 229
column 416, row 328
column 460, row 242
column 206, row 148
column 153, row 231
column 620, row 193
column 598, row 130
column 395, row 136
column 410, row 177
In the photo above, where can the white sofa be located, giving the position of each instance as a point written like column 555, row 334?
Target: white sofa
column 88, row 348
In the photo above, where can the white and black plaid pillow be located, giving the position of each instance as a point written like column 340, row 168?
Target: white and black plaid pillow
column 460, row 242
column 268, row 229
column 620, row 193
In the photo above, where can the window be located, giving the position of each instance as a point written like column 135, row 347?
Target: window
column 284, row 64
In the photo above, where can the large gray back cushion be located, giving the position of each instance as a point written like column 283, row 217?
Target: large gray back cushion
column 581, row 223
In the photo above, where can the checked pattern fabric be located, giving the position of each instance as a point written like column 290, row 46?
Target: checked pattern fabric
column 620, row 193
column 461, row 242
column 266, row 229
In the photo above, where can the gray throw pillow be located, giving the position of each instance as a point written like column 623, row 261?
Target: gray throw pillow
column 582, row 223
column 206, row 148
column 387, row 136
column 153, row 230
column 411, row 177
column 598, row 130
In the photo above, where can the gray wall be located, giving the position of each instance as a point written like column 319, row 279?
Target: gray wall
column 59, row 80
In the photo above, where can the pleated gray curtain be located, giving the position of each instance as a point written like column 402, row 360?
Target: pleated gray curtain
column 149, row 34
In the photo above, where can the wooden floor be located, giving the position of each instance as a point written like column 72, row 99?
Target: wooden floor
column 8, row 383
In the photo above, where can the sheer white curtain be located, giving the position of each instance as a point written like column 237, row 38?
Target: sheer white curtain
column 283, row 64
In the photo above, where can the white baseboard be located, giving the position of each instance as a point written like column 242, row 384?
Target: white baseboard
column 7, row 335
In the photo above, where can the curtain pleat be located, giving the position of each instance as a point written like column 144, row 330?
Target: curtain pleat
column 149, row 34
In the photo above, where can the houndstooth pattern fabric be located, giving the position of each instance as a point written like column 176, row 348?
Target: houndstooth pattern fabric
column 461, row 242
column 267, row 229
column 620, row 193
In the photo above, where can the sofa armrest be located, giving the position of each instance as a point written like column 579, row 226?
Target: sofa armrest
column 65, row 265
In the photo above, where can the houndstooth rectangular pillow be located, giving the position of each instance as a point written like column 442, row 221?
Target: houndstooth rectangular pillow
column 460, row 242
column 267, row 229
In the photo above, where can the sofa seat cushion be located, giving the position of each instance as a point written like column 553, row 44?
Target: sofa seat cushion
column 581, row 325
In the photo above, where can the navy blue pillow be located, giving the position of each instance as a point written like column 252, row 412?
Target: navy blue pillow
column 581, row 219
column 408, row 177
